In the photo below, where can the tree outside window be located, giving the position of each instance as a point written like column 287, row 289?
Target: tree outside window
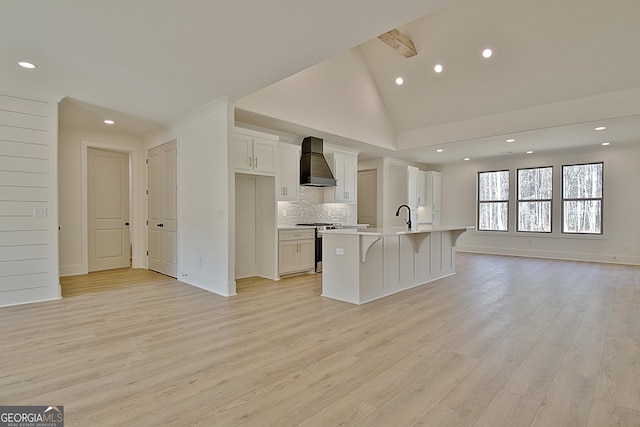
column 535, row 192
column 493, row 201
column 582, row 198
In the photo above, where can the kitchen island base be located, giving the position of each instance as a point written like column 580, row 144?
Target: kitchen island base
column 360, row 266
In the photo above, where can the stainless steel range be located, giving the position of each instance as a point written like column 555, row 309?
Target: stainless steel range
column 320, row 226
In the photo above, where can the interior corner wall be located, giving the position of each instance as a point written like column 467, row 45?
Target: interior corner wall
column 70, row 157
column 29, row 194
column 337, row 96
column 621, row 240
column 205, row 245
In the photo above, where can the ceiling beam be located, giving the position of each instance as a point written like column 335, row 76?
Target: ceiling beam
column 399, row 42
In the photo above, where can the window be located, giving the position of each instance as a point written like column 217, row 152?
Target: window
column 493, row 201
column 582, row 198
column 535, row 191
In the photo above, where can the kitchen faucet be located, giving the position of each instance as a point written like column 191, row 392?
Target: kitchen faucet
column 408, row 221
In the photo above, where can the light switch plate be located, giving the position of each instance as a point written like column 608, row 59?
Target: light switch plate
column 339, row 251
column 39, row 212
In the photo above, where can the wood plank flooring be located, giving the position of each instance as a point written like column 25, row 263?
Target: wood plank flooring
column 504, row 342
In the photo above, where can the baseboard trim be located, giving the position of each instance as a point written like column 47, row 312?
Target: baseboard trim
column 565, row 256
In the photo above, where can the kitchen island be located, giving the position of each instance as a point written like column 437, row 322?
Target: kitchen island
column 362, row 265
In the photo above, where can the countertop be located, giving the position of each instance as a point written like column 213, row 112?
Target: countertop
column 346, row 226
column 293, row 227
column 394, row 231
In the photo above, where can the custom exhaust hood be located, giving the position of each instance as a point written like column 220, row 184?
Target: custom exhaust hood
column 314, row 170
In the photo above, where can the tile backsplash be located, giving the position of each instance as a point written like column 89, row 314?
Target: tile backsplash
column 310, row 207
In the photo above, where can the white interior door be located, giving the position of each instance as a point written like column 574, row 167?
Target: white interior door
column 368, row 197
column 162, row 209
column 108, row 209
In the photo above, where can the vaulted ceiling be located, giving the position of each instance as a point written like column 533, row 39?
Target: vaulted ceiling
column 559, row 67
column 558, row 70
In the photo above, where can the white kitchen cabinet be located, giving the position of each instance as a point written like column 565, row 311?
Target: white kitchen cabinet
column 296, row 250
column 422, row 187
column 254, row 152
column 404, row 191
column 288, row 172
column 433, row 204
column 345, row 170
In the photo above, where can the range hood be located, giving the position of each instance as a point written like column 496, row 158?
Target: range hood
column 314, row 170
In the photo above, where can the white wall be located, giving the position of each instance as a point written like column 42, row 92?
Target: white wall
column 332, row 97
column 72, row 179
column 621, row 239
column 28, row 171
column 206, row 197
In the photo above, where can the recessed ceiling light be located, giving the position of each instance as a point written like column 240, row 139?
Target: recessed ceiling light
column 399, row 81
column 438, row 68
column 511, row 140
column 25, row 64
column 466, row 159
column 487, row 53
column 606, row 143
column 600, row 128
column 109, row 122
column 439, row 150
column 530, row 152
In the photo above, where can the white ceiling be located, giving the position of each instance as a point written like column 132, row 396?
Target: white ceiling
column 149, row 61
column 559, row 68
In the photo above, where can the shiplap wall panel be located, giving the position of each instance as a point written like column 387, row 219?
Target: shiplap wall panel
column 27, row 135
column 26, row 105
column 21, row 164
column 18, row 209
column 36, row 280
column 21, row 295
column 24, row 120
column 23, row 149
column 23, row 224
column 24, row 179
column 18, row 238
column 16, row 253
column 18, row 134
column 24, row 267
column 23, row 194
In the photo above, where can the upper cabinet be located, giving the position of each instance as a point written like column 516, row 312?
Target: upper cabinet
column 288, row 172
column 420, row 190
column 344, row 167
column 433, row 203
column 254, row 152
column 422, row 187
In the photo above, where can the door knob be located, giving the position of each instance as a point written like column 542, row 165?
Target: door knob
column 160, row 225
column 126, row 224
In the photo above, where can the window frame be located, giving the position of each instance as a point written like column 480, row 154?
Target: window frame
column 479, row 202
column 518, row 201
column 563, row 200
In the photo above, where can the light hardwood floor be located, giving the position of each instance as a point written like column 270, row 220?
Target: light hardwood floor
column 504, row 342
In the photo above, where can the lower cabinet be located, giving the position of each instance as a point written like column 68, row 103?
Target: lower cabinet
column 296, row 251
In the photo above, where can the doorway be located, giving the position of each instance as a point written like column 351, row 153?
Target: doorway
column 109, row 240
column 256, row 234
column 368, row 197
